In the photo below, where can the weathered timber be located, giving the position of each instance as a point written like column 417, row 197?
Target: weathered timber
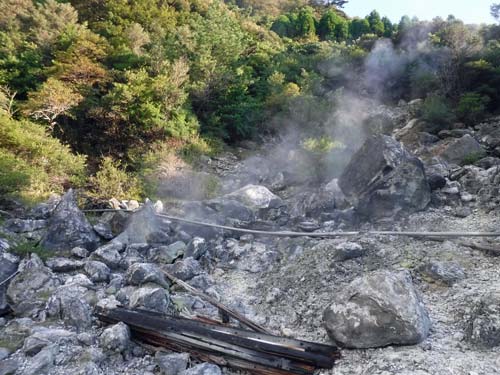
column 241, row 349
column 247, row 322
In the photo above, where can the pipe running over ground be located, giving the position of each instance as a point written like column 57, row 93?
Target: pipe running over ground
column 413, row 234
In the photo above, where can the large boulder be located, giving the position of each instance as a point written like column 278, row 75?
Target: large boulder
column 30, row 289
column 464, row 150
column 68, row 227
column 384, row 179
column 377, row 310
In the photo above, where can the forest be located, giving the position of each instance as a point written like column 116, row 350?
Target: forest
column 97, row 94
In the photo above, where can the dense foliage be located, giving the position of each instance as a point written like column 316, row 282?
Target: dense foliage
column 115, row 79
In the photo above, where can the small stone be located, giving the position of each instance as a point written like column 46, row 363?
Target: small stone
column 104, row 230
column 166, row 254
column 184, row 269
column 133, row 205
column 196, row 248
column 142, row 273
column 79, row 252
column 158, row 206
column 64, row 264
column 109, row 254
column 152, row 298
column 97, row 271
column 85, row 338
column 116, row 338
column 172, row 364
column 348, row 250
column 446, row 272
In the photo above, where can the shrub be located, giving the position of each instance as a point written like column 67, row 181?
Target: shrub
column 472, row 107
column 112, row 181
column 435, row 110
column 34, row 164
column 14, row 174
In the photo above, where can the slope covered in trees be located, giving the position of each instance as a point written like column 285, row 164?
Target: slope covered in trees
column 114, row 81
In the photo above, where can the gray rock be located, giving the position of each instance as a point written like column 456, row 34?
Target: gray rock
column 109, row 254
column 203, row 369
column 69, row 304
column 43, row 362
column 116, row 338
column 97, row 271
column 167, row 254
column 4, row 353
column 383, row 179
column 68, row 227
column 133, row 205
column 256, row 197
column 445, row 272
column 436, row 181
column 196, row 248
column 30, row 289
column 8, row 266
column 484, row 325
column 79, row 252
column 377, row 310
column 9, row 366
column 142, row 273
column 488, row 162
column 44, row 210
column 348, row 250
column 104, row 230
column 25, row 225
column 64, row 264
column 459, row 150
column 172, row 364
column 42, row 337
column 184, row 269
column 152, row 298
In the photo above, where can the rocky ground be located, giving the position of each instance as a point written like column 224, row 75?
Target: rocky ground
column 396, row 305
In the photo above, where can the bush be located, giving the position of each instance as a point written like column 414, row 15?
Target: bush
column 14, row 175
column 112, row 181
column 33, row 164
column 472, row 107
column 435, row 110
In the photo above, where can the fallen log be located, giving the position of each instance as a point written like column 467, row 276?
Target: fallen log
column 258, row 353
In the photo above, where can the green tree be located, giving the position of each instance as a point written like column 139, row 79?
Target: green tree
column 52, row 100
column 283, row 26
column 376, row 24
column 388, row 27
column 359, row 27
column 306, row 23
column 332, row 26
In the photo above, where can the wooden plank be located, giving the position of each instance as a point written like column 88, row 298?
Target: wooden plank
column 259, row 355
column 281, row 344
